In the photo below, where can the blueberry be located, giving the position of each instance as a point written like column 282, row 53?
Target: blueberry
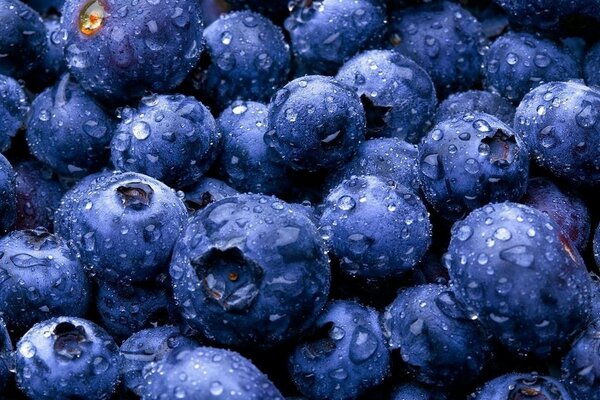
column 246, row 162
column 66, row 358
column 40, row 278
column 376, row 228
column 324, row 34
column 471, row 101
column 8, row 195
column 146, row 346
column 581, row 366
column 543, row 119
column 246, row 58
column 126, row 308
column 444, row 39
column 124, row 226
column 172, row 138
column 205, row 191
column 566, row 209
column 518, row 62
column 345, row 356
column 468, row 161
column 6, row 356
column 68, row 130
column 523, row 386
column 22, row 39
column 250, row 270
column 207, row 373
column 13, row 110
column 118, row 50
column 435, row 337
column 398, row 95
column 412, row 391
column 315, row 123
column 520, row 276
column 592, row 65
column 387, row 158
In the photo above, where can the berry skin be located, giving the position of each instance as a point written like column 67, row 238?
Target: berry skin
column 8, row 195
column 433, row 334
column 68, row 130
column 316, row 123
column 387, row 158
column 468, row 161
column 54, row 63
column 250, row 270
column 65, row 358
column 518, row 62
column 22, row 39
column 40, row 278
column 210, row 373
column 325, row 34
column 547, row 113
column 566, row 209
column 246, row 162
column 125, row 309
column 205, row 191
column 521, row 276
column 523, row 386
column 124, row 226
column 118, row 51
column 172, row 138
column 592, row 65
column 146, row 346
column 247, row 58
column 13, row 110
column 581, row 365
column 444, row 39
column 461, row 103
column 398, row 95
column 345, row 356
column 376, row 229
column 412, row 391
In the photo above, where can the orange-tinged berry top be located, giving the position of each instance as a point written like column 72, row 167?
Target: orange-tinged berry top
column 92, row 17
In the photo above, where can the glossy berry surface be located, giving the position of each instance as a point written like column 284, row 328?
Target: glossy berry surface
column 471, row 101
column 517, row 386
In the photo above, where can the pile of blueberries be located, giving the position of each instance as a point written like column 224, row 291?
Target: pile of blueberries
column 313, row 199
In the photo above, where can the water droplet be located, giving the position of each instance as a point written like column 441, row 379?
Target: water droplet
column 520, row 255
column 216, row 388
column 502, row 234
column 140, row 130
column 226, row 38
column 346, row 203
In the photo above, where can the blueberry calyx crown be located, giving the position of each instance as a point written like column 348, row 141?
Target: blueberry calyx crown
column 502, row 147
column 92, row 17
column 229, row 278
column 534, row 388
column 321, row 342
column 68, row 340
column 40, row 238
column 378, row 117
column 135, row 195
column 205, row 199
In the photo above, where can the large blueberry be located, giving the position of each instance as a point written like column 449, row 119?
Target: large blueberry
column 124, row 226
column 398, row 95
column 209, row 373
column 560, row 122
column 118, row 49
column 250, row 270
column 13, row 110
column 521, row 276
column 523, row 386
column 246, row 162
column 68, row 130
column 517, row 62
column 40, row 278
column 434, row 335
column 376, row 228
column 470, row 160
column 66, row 358
column 386, row 158
column 326, row 33
column 444, row 39
column 8, row 195
column 172, row 138
column 345, row 356
column 565, row 208
column 22, row 39
column 471, row 101
column 146, row 346
column 315, row 123
column 246, row 58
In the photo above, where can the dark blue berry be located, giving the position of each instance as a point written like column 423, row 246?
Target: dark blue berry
column 581, row 366
column 523, row 386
